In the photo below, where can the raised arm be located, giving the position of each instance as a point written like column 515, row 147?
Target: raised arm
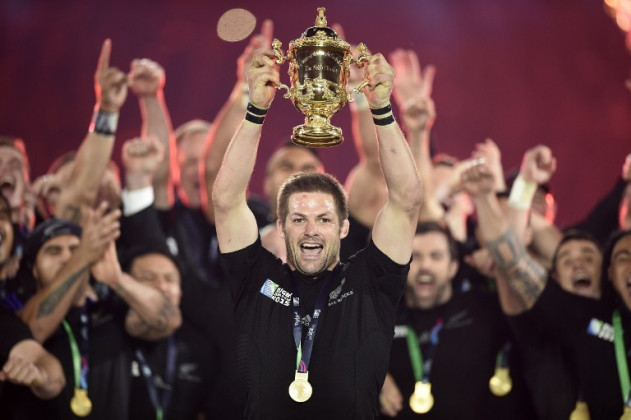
column 151, row 316
column 235, row 222
column 147, row 79
column 110, row 85
column 364, row 184
column 512, row 263
column 413, row 95
column 229, row 118
column 538, row 166
column 396, row 222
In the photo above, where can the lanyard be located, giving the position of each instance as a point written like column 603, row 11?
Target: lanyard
column 80, row 360
column 423, row 370
column 621, row 357
column 303, row 355
column 159, row 404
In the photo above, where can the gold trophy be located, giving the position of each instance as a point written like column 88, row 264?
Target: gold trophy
column 319, row 69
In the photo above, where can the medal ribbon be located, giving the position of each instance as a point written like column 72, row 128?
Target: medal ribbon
column 80, row 361
column 621, row 358
column 503, row 356
column 303, row 355
column 423, row 370
column 159, row 404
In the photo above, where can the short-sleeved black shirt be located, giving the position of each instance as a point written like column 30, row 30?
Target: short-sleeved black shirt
column 584, row 328
column 552, row 381
column 109, row 361
column 473, row 333
column 191, row 374
column 13, row 331
column 352, row 342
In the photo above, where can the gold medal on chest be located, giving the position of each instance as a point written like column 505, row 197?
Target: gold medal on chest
column 300, row 389
column 581, row 412
column 422, row 400
column 80, row 404
column 501, row 383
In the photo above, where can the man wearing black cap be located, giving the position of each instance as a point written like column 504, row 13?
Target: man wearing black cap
column 83, row 324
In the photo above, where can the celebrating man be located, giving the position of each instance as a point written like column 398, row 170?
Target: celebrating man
column 335, row 366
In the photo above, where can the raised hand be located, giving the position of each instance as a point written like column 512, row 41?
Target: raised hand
column 538, row 165
column 492, row 155
column 262, row 40
column 146, row 77
column 263, row 77
column 142, row 155
column 110, row 84
column 477, row 178
column 99, row 229
column 413, row 90
column 380, row 77
column 107, row 269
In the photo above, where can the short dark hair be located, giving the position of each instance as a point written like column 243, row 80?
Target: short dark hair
column 288, row 144
column 429, row 227
column 312, row 182
column 611, row 244
column 574, row 235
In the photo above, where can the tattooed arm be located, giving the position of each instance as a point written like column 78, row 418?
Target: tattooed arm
column 47, row 308
column 151, row 316
column 519, row 278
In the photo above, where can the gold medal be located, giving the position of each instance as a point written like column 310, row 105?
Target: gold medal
column 80, row 404
column 300, row 389
column 581, row 412
column 626, row 415
column 501, row 383
column 422, row 400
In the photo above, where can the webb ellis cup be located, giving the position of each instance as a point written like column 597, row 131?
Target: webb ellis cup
column 319, row 69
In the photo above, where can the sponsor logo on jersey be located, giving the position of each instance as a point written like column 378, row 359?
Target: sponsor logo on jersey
column 400, row 331
column 275, row 292
column 600, row 329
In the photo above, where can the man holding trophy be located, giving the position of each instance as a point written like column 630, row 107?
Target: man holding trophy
column 314, row 334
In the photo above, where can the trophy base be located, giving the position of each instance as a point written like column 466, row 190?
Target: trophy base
column 308, row 136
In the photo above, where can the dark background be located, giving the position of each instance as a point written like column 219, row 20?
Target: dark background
column 521, row 72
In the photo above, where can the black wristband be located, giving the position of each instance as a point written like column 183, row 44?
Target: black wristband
column 255, row 109
column 502, row 194
column 104, row 123
column 381, row 111
column 384, row 121
column 254, row 119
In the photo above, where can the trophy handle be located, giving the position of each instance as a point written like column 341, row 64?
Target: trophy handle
column 361, row 60
column 363, row 57
column 280, row 86
column 280, row 57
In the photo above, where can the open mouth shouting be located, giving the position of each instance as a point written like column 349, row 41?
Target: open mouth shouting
column 7, row 187
column 311, row 250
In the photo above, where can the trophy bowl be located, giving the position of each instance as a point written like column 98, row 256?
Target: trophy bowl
column 319, row 69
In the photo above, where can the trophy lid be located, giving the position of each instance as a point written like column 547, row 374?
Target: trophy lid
column 320, row 35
